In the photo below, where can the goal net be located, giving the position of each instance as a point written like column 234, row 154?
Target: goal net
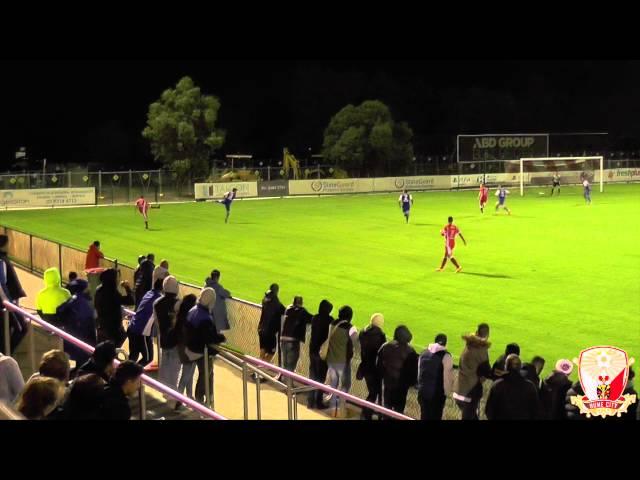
column 539, row 172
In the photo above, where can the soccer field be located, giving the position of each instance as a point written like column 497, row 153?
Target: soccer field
column 556, row 276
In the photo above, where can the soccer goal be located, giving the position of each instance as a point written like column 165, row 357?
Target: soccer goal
column 571, row 170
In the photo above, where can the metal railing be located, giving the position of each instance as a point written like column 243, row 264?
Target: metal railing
column 255, row 365
column 146, row 380
column 37, row 254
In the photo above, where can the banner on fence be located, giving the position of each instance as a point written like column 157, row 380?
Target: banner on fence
column 47, row 197
column 274, row 188
column 217, row 190
column 622, row 175
column 328, row 187
column 395, row 184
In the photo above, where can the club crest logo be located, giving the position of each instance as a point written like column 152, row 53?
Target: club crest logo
column 316, row 186
column 604, row 373
column 399, row 182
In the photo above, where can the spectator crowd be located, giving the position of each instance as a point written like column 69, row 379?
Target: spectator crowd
column 185, row 326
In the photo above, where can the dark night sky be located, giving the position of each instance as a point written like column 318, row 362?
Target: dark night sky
column 83, row 110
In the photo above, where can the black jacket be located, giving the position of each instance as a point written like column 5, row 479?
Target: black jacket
column 270, row 315
column 115, row 405
column 512, row 398
column 13, row 282
column 164, row 309
column 320, row 327
column 108, row 303
column 529, row 372
column 398, row 362
column 371, row 339
column 143, row 279
column 90, row 367
column 572, row 412
column 552, row 396
column 295, row 323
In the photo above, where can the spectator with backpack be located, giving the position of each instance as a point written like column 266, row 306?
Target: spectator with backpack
column 398, row 367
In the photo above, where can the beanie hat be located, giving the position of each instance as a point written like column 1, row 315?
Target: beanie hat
column 377, row 320
column 77, row 286
column 159, row 273
column 564, row 366
column 207, row 297
column 170, row 285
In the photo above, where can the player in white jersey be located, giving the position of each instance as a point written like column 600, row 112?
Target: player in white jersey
column 228, row 198
column 406, row 201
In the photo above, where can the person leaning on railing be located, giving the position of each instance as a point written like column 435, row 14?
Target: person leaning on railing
column 124, row 384
column 40, row 397
column 200, row 332
column 165, row 311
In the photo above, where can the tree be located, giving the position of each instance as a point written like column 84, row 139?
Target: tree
column 181, row 128
column 365, row 137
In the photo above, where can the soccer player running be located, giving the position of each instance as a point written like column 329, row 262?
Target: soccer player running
column 228, row 198
column 556, row 183
column 143, row 207
column 483, row 196
column 587, row 191
column 449, row 233
column 405, row 201
column 502, row 193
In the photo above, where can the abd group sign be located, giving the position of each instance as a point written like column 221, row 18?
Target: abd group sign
column 484, row 148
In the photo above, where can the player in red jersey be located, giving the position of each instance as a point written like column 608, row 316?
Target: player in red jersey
column 143, row 207
column 449, row 233
column 483, row 196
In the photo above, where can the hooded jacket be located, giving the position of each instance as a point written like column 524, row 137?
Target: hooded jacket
column 165, row 312
column 474, row 367
column 53, row 295
column 398, row 361
column 144, row 279
column 512, row 397
column 371, row 340
column 271, row 314
column 220, row 307
column 435, row 372
column 78, row 315
column 294, row 327
column 340, row 349
column 320, row 327
column 108, row 303
column 554, row 390
column 200, row 329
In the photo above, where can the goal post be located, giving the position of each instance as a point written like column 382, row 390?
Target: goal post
column 560, row 165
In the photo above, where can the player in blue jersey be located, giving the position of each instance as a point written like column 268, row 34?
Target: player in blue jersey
column 502, row 193
column 587, row 191
column 228, row 198
column 405, row 200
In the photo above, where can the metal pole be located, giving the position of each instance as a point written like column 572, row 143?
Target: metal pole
column 159, row 183
column 295, row 407
column 245, row 395
column 69, row 178
column 130, row 186
column 60, row 258
column 206, row 376
column 289, row 399
column 31, row 252
column 32, row 347
column 143, row 403
column 99, row 184
column 269, row 173
column 7, row 333
column 258, row 406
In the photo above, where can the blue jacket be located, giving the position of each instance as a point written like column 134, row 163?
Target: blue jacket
column 220, row 308
column 200, row 330
column 144, row 312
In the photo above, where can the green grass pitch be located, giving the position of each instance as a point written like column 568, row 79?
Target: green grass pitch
column 557, row 276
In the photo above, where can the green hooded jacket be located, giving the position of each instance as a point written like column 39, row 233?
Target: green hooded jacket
column 53, row 295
